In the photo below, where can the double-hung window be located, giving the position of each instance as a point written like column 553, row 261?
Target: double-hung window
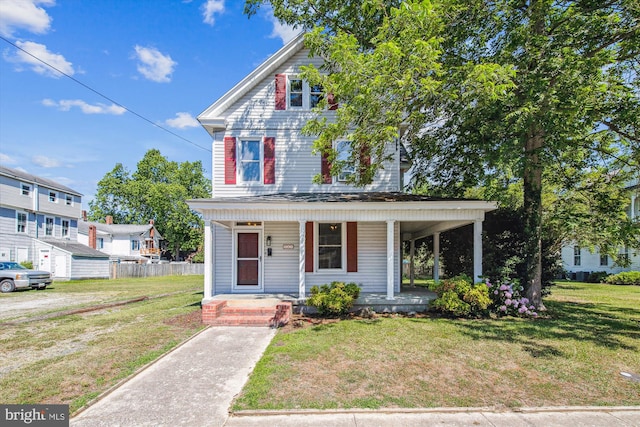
column 330, row 246
column 69, row 200
column 249, row 160
column 343, row 149
column 25, row 189
column 135, row 245
column 100, row 243
column 576, row 256
column 315, row 95
column 303, row 95
column 53, row 197
column 296, row 93
column 65, row 228
column 48, row 226
column 21, row 222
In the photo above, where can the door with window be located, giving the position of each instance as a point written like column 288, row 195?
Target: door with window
column 248, row 260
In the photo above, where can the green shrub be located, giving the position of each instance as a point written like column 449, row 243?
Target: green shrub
column 27, row 264
column 598, row 277
column 334, row 299
column 625, row 278
column 460, row 297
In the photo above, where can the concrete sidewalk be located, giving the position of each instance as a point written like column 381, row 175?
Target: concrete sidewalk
column 193, row 385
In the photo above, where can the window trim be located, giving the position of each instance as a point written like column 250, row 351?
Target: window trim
column 53, row 226
column 26, row 222
column 239, row 161
column 136, row 243
column 55, row 196
column 62, row 228
column 306, row 93
column 29, row 191
column 343, row 248
column 577, row 256
column 68, row 200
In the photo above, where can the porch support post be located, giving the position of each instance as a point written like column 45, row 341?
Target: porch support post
column 436, row 256
column 477, row 250
column 208, row 260
column 390, row 263
column 412, row 266
column 301, row 259
column 633, row 207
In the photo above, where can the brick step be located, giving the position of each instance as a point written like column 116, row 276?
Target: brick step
column 264, row 320
column 247, row 311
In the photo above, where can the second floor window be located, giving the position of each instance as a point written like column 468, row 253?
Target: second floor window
column 135, row 245
column 21, row 222
column 576, row 255
column 343, row 149
column 65, row 228
column 53, row 197
column 249, row 161
column 25, row 189
column 48, row 226
column 69, row 200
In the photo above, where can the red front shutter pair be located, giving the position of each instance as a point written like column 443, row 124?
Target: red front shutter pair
column 352, row 247
column 269, row 160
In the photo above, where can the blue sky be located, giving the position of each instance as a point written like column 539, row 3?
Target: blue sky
column 165, row 60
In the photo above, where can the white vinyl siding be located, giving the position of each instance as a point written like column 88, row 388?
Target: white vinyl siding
column 295, row 165
column 281, row 268
column 223, row 259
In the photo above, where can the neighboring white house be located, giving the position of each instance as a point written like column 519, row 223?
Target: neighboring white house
column 578, row 261
column 270, row 229
column 39, row 223
column 136, row 243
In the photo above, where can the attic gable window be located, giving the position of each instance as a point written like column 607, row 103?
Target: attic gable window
column 295, row 93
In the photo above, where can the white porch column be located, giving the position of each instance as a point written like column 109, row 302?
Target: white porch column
column 477, row 250
column 412, row 266
column 390, row 263
column 436, row 256
column 633, row 207
column 208, row 260
column 302, row 259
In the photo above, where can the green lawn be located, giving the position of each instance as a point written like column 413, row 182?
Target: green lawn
column 573, row 356
column 72, row 359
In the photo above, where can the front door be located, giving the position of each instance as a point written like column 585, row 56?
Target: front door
column 248, row 277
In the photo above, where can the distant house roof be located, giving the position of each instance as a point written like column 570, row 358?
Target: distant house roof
column 27, row 177
column 76, row 249
column 117, row 229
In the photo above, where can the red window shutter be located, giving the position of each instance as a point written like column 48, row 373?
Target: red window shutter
column 269, row 160
column 365, row 159
column 331, row 100
column 325, row 170
column 352, row 247
column 281, row 92
column 229, row 160
column 308, row 247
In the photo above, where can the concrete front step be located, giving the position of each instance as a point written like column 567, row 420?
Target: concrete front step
column 221, row 314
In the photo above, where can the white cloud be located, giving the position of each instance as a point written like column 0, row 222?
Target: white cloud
column 24, row 15
column 154, row 65
column 67, row 104
column 285, row 32
column 210, row 8
column 183, row 121
column 6, row 159
column 40, row 51
column 46, row 162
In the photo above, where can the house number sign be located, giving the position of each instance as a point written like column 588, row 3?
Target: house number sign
column 287, row 246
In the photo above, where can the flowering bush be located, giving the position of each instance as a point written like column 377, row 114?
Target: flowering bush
column 507, row 300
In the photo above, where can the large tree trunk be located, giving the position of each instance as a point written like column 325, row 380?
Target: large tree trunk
column 533, row 216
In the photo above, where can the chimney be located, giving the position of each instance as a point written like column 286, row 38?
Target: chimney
column 92, row 236
column 152, row 231
column 109, row 220
column 84, row 216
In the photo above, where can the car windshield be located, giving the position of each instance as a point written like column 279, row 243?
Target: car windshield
column 11, row 266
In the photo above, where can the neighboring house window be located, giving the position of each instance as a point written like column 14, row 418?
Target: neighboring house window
column 604, row 260
column 343, row 149
column 48, row 226
column 69, row 200
column 65, row 228
column 624, row 254
column 99, row 243
column 25, row 189
column 576, row 255
column 330, row 246
column 21, row 222
column 249, row 161
column 135, row 245
column 53, row 197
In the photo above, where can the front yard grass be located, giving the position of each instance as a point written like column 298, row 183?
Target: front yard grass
column 73, row 358
column 572, row 356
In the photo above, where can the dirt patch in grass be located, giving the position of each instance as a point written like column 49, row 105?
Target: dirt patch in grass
column 186, row 321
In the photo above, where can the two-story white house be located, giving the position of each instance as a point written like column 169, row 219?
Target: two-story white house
column 269, row 229
column 132, row 243
column 578, row 261
column 39, row 223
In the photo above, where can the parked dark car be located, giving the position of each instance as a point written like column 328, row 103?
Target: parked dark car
column 14, row 276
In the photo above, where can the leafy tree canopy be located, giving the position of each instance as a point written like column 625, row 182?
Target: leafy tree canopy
column 158, row 190
column 488, row 93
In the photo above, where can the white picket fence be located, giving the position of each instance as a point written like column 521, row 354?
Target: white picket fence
column 123, row 270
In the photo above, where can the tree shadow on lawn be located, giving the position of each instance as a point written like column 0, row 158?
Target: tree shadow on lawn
column 597, row 323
